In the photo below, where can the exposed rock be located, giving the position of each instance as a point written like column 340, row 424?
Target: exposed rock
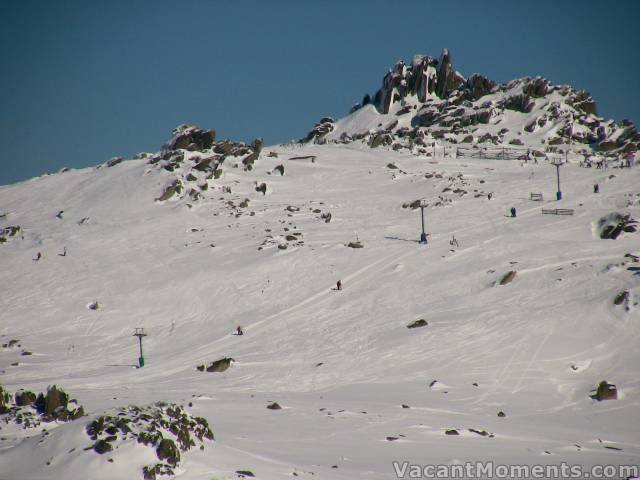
column 114, row 161
column 250, row 159
column 380, row 139
column 204, row 164
column 176, row 187
column 262, row 187
column 279, row 169
column 606, row 391
column 356, row 244
column 319, row 131
column 191, row 138
column 23, row 398
column 412, row 205
column 274, row 406
column 621, row 297
column 418, row 323
column 479, row 86
column 508, row 277
column 245, row 473
column 30, row 410
column 537, row 87
column 218, row 366
column 520, row 103
column 451, row 432
column 611, row 226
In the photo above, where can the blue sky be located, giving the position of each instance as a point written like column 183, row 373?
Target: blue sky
column 83, row 81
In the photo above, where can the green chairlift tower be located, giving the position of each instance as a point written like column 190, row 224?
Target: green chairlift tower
column 140, row 333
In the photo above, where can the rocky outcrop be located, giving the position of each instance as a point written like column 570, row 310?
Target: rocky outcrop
column 319, row 131
column 7, row 233
column 611, row 226
column 449, row 106
column 221, row 365
column 191, row 138
column 30, row 410
column 478, row 86
column 167, row 429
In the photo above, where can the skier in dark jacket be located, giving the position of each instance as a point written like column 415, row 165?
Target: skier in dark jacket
column 339, row 285
column 239, row 330
column 513, row 212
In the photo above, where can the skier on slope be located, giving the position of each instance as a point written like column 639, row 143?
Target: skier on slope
column 339, row 285
column 239, row 330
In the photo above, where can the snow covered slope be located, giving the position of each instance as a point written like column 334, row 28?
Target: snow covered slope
column 358, row 389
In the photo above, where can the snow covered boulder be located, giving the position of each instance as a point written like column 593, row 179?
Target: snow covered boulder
column 611, row 226
column 319, row 131
column 191, row 138
column 218, row 366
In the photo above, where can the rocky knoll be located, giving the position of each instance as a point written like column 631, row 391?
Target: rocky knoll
column 166, row 428
column 28, row 409
column 429, row 97
column 195, row 158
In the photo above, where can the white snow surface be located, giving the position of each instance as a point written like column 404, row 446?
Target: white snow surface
column 341, row 363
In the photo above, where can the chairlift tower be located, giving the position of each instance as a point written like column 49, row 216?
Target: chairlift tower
column 423, row 235
column 558, row 163
column 140, row 333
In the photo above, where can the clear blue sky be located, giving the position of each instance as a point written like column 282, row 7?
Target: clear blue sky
column 83, row 81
